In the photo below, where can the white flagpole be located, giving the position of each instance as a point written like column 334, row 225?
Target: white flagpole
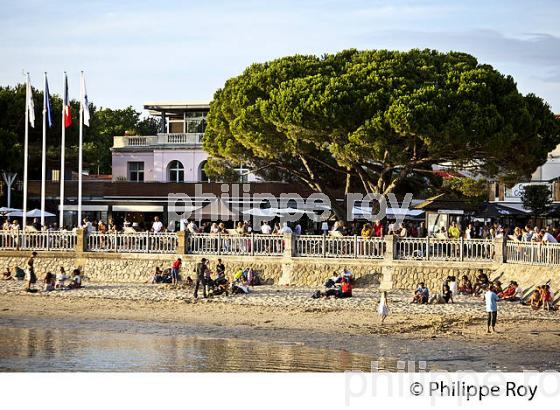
column 62, row 154
column 44, row 155
column 80, row 143
column 26, row 151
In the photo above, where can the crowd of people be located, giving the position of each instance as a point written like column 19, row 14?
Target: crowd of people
column 209, row 282
column 60, row 281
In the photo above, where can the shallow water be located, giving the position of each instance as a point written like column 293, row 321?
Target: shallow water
column 37, row 349
column 46, row 345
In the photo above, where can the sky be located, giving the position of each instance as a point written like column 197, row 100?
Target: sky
column 137, row 51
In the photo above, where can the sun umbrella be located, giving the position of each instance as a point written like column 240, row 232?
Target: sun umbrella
column 36, row 213
column 4, row 210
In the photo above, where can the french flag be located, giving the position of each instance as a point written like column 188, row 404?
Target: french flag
column 66, row 104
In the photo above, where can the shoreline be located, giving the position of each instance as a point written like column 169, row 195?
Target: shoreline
column 274, row 314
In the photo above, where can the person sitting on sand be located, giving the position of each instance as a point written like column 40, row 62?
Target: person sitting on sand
column 76, row 281
column 510, row 293
column 421, row 295
column 383, row 307
column 345, row 289
column 442, row 298
column 546, row 296
column 158, row 275
column 7, row 275
column 333, row 280
column 535, row 301
column 482, row 282
column 465, row 287
column 61, row 278
column 498, row 286
column 452, row 283
column 49, row 282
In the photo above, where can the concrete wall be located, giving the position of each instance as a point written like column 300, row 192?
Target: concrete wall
column 138, row 268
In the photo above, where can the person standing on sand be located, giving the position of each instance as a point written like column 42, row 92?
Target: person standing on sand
column 383, row 308
column 491, row 299
column 175, row 267
column 201, row 269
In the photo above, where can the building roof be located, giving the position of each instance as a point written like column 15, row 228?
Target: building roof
column 168, row 106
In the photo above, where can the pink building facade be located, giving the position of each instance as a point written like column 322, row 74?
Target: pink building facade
column 173, row 155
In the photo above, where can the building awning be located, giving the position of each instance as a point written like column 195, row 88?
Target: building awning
column 87, row 208
column 137, row 208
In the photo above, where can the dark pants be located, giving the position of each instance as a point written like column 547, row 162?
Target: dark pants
column 200, row 281
column 492, row 318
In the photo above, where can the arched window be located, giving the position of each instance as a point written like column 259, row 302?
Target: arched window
column 202, row 177
column 175, row 171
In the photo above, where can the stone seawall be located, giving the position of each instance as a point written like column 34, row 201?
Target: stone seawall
column 398, row 274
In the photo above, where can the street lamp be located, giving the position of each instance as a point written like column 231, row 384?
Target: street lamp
column 9, row 178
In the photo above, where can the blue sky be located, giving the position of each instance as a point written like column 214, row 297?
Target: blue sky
column 135, row 51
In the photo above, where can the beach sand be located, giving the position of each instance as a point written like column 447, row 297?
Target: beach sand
column 290, row 314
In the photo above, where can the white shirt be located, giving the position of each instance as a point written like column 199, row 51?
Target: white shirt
column 157, row 226
column 192, row 228
column 286, row 229
column 266, row 229
column 549, row 238
column 298, row 229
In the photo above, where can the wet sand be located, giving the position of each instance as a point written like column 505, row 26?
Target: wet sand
column 450, row 337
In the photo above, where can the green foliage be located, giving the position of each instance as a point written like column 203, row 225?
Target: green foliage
column 381, row 117
column 98, row 138
column 467, row 187
column 537, row 198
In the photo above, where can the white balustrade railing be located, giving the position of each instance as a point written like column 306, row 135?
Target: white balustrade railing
column 318, row 246
column 444, row 249
column 139, row 242
column 532, row 253
column 339, row 246
column 38, row 240
column 218, row 244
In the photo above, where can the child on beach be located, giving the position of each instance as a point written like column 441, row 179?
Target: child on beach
column 383, row 308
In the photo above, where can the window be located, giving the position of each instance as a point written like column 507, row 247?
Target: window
column 136, row 171
column 195, row 126
column 243, row 174
column 202, row 174
column 176, row 171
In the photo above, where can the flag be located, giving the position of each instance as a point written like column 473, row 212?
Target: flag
column 29, row 102
column 47, row 102
column 66, row 104
column 83, row 100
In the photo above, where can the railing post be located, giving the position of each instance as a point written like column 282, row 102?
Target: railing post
column 390, row 243
column 289, row 245
column 81, row 240
column 219, row 250
column 324, row 243
column 181, row 243
column 252, row 243
column 461, row 244
column 427, row 248
column 356, row 253
column 499, row 250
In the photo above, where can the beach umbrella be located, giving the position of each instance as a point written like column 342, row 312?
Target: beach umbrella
column 217, row 210
column 36, row 213
column 267, row 212
column 5, row 210
column 17, row 213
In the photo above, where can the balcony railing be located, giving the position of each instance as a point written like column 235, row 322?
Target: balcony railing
column 160, row 139
column 444, row 249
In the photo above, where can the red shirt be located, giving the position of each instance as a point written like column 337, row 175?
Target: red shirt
column 378, row 230
column 176, row 264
